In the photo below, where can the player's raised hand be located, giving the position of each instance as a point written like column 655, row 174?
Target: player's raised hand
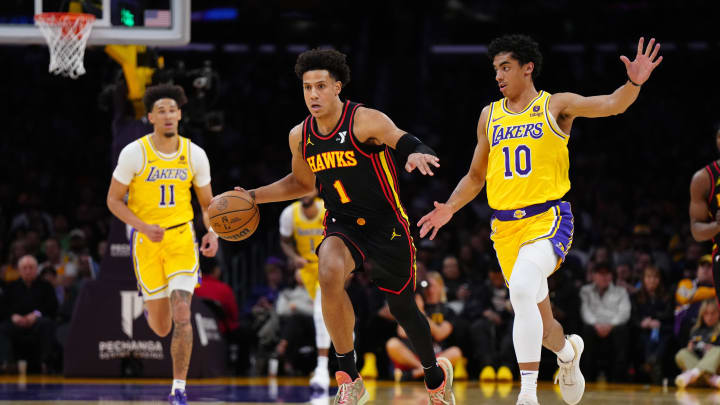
column 209, row 244
column 646, row 60
column 422, row 162
column 435, row 219
column 154, row 232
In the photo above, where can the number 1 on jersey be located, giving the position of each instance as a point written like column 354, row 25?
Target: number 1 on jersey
column 341, row 191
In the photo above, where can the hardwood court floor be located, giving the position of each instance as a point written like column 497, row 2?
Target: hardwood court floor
column 60, row 391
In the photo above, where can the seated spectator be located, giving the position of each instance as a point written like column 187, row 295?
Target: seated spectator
column 297, row 337
column 9, row 270
column 454, row 279
column 490, row 313
column 56, row 258
column 605, row 310
column 30, row 331
column 701, row 357
column 213, row 289
column 432, row 302
column 261, row 308
column 652, row 317
column 689, row 295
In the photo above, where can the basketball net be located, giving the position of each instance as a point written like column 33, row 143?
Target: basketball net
column 66, row 35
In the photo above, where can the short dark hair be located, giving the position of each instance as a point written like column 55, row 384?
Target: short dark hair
column 155, row 93
column 324, row 59
column 521, row 47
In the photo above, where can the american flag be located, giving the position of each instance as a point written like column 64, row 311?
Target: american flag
column 157, row 18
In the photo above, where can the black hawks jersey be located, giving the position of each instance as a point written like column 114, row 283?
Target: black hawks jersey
column 713, row 198
column 355, row 180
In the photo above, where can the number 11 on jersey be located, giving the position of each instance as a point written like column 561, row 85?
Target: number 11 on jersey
column 341, row 192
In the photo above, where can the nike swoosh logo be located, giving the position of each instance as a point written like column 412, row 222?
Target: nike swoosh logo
column 152, row 161
column 498, row 118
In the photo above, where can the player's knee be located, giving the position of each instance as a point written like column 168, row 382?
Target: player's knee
column 392, row 344
column 161, row 328
column 521, row 294
column 331, row 276
column 181, row 313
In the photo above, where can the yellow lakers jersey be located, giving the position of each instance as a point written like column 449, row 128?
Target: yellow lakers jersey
column 308, row 233
column 160, row 193
column 528, row 162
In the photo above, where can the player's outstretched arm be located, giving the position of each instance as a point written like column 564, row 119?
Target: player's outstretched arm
column 300, row 182
column 374, row 127
column 638, row 71
column 701, row 227
column 209, row 243
column 468, row 187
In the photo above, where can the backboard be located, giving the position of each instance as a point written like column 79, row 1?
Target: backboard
column 136, row 22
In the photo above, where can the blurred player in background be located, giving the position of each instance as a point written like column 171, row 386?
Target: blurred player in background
column 301, row 231
column 349, row 151
column 704, row 209
column 156, row 173
column 522, row 154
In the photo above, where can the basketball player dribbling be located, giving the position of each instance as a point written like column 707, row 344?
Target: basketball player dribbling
column 156, row 172
column 705, row 207
column 522, row 154
column 350, row 151
column 301, row 232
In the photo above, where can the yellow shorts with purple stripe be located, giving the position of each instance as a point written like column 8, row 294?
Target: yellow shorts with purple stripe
column 512, row 229
column 156, row 264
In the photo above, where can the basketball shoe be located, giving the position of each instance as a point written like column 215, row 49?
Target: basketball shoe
column 350, row 392
column 443, row 395
column 572, row 382
column 320, row 378
column 178, row 398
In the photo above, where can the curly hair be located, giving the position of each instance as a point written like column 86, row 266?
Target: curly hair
column 155, row 93
column 521, row 47
column 324, row 59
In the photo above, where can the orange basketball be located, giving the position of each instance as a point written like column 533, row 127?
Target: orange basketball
column 234, row 216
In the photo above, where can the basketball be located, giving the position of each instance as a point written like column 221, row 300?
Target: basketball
column 234, row 216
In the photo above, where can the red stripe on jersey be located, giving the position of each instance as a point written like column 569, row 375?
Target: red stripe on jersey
column 377, row 167
column 352, row 137
column 391, row 163
column 339, row 125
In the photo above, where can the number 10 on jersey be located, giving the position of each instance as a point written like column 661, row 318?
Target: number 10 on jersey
column 522, row 161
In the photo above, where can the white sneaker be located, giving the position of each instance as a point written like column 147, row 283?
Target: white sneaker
column 527, row 400
column 572, row 382
column 320, row 378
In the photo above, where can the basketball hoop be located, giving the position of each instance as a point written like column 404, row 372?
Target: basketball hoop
column 66, row 35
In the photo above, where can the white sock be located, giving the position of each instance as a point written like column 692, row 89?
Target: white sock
column 528, row 383
column 322, row 363
column 567, row 353
column 177, row 385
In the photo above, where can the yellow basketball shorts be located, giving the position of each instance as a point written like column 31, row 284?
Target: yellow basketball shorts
column 513, row 229
column 171, row 264
column 309, row 276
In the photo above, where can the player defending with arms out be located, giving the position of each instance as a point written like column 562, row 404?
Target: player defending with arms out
column 522, row 154
column 156, row 172
column 349, row 150
column 705, row 209
column 301, row 231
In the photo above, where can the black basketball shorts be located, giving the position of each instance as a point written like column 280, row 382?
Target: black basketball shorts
column 385, row 243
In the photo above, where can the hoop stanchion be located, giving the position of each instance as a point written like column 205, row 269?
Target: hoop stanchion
column 66, row 35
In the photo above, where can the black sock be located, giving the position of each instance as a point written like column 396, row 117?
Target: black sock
column 346, row 363
column 434, row 376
